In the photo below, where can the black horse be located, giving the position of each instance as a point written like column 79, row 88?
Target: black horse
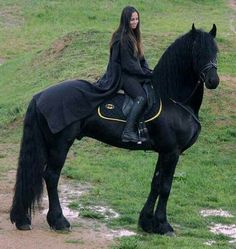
column 179, row 79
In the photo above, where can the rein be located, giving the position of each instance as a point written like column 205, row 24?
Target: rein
column 187, row 109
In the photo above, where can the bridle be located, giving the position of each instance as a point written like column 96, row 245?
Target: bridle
column 205, row 69
column 202, row 77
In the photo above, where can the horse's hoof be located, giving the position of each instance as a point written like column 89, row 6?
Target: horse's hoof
column 25, row 227
column 67, row 229
column 170, row 234
column 61, row 229
column 145, row 227
column 146, row 222
column 164, row 229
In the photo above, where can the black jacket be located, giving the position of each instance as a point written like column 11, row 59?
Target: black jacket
column 130, row 65
column 73, row 100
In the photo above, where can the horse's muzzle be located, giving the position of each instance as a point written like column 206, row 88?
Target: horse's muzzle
column 212, row 82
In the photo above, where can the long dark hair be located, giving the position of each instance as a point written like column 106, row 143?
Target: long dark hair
column 128, row 34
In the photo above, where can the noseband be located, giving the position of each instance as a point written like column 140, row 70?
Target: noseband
column 205, row 69
column 202, row 77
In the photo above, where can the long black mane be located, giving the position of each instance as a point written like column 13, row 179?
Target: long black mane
column 177, row 71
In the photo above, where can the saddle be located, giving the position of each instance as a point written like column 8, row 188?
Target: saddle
column 117, row 109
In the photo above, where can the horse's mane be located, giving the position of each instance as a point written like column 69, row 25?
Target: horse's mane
column 174, row 76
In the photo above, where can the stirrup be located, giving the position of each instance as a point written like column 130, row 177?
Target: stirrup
column 139, row 140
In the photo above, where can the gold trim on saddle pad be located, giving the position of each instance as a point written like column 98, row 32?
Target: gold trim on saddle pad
column 122, row 120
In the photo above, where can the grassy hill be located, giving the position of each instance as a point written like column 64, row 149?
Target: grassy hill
column 44, row 42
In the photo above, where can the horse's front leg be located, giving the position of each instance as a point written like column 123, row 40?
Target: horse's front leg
column 168, row 163
column 147, row 213
column 56, row 159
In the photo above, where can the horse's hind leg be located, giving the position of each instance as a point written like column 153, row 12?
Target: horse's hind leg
column 56, row 159
column 58, row 147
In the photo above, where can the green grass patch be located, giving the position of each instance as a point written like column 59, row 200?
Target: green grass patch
column 88, row 213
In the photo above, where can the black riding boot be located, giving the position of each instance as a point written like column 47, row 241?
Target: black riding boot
column 130, row 131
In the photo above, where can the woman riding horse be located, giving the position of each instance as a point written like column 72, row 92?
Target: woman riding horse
column 126, row 43
column 178, row 79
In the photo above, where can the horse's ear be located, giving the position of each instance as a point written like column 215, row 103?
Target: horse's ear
column 193, row 29
column 213, row 31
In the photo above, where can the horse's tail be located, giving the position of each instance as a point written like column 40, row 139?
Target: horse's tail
column 31, row 163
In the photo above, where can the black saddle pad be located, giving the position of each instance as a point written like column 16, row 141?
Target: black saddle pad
column 111, row 109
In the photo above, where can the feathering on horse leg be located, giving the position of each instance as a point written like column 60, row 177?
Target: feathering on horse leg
column 168, row 164
column 56, row 159
column 146, row 214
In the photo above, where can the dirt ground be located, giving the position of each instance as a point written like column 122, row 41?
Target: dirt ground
column 232, row 4
column 87, row 234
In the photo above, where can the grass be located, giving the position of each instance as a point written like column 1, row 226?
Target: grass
column 91, row 214
column 44, row 42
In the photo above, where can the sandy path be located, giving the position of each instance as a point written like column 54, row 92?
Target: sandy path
column 232, row 4
column 88, row 235
column 232, row 21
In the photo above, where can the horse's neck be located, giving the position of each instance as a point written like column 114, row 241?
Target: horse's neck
column 195, row 100
column 174, row 76
column 179, row 88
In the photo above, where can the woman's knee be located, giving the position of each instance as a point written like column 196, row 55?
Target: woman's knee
column 142, row 98
column 135, row 89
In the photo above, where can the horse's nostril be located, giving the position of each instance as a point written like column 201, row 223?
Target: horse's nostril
column 213, row 83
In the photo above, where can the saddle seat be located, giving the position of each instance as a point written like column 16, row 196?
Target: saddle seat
column 118, row 107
